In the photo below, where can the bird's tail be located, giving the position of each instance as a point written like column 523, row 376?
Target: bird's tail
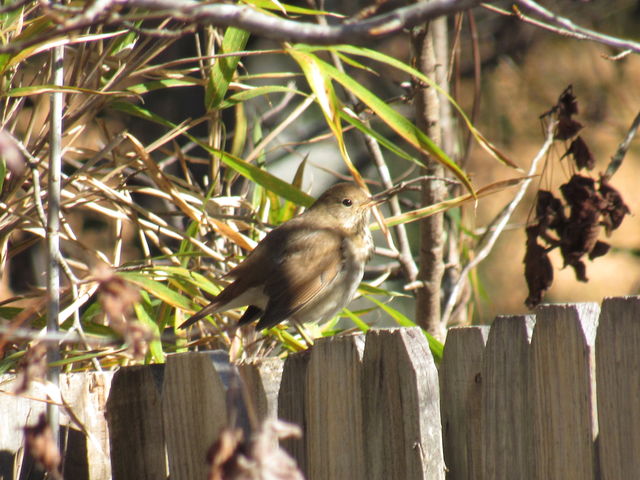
column 208, row 310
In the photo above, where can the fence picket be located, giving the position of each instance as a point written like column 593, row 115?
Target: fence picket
column 401, row 407
column 292, row 404
column 334, row 420
column 136, row 433
column 262, row 383
column 563, row 406
column 506, row 421
column 618, row 376
column 461, row 385
column 519, row 402
column 194, row 412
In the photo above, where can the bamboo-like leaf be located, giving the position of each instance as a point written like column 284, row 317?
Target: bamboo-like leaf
column 40, row 89
column 366, row 288
column 436, row 347
column 269, row 5
column 223, row 70
column 158, row 290
column 394, row 62
column 353, row 119
column 240, row 131
column 328, row 101
column 3, row 172
column 154, row 85
column 155, row 346
column 394, row 119
column 357, row 321
column 248, row 94
column 414, row 215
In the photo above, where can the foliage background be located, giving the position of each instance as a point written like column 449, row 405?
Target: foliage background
column 523, row 71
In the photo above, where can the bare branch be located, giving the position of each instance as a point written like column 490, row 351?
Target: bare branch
column 616, row 160
column 564, row 26
column 247, row 18
column 252, row 20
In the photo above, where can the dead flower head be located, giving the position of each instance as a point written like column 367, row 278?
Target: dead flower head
column 231, row 458
column 42, row 446
column 117, row 296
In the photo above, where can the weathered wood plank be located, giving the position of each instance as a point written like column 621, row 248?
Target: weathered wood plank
column 194, row 412
column 292, row 404
column 506, row 421
column 85, row 393
column 401, row 407
column 461, row 401
column 334, row 417
column 562, row 365
column 618, row 374
column 134, row 413
column 262, row 383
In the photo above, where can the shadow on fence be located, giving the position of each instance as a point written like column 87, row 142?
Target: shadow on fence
column 517, row 400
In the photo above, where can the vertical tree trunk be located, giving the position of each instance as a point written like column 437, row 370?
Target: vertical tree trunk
column 433, row 116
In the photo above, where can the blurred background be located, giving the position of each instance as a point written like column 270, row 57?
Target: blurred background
column 518, row 75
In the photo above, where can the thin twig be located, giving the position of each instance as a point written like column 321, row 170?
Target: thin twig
column 488, row 241
column 53, row 227
column 563, row 26
column 617, row 159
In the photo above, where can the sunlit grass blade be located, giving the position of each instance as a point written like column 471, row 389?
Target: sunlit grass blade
column 143, row 311
column 158, row 290
column 396, row 121
column 429, row 210
column 394, row 62
column 357, row 321
column 223, row 70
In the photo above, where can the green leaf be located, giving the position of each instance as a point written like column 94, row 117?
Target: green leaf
column 353, row 119
column 143, row 310
column 222, row 72
column 270, row 5
column 357, row 321
column 3, row 172
column 435, row 345
column 153, row 85
column 396, row 121
column 394, row 62
column 245, row 95
column 413, row 215
column 366, row 288
column 158, row 290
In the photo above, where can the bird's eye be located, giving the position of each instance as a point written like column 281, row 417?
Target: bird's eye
column 347, row 202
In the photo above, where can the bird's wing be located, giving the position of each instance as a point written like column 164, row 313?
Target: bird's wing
column 309, row 263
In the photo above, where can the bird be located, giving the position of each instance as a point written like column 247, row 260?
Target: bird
column 306, row 269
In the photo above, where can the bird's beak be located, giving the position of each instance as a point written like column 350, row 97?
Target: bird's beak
column 375, row 200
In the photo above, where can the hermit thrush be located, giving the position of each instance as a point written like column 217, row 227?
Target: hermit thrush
column 306, row 269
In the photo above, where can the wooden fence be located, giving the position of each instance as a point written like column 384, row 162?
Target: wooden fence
column 517, row 400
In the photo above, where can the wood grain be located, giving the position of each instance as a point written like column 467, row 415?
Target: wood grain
column 506, row 420
column 136, row 432
column 562, row 366
column 461, row 386
column 401, row 407
column 334, row 421
column 618, row 374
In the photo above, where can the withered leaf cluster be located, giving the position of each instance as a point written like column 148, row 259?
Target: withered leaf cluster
column 43, row 448
column 591, row 206
column 261, row 458
column 568, row 128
